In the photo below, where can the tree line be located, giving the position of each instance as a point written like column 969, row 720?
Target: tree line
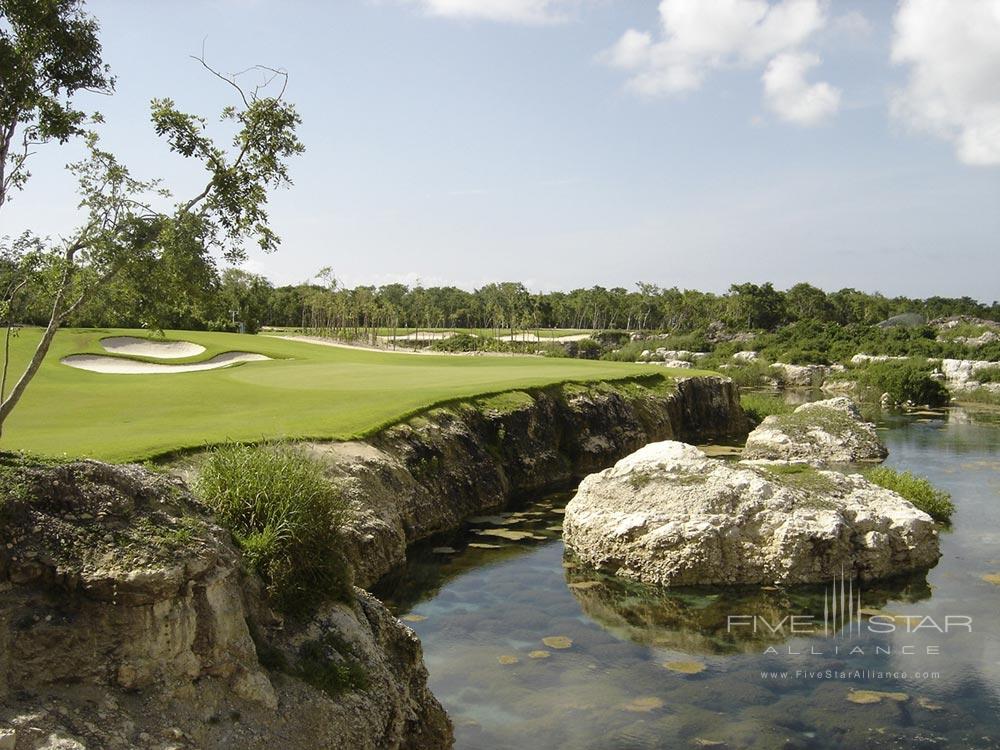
column 237, row 300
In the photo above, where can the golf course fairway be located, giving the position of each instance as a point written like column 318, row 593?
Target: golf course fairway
column 304, row 391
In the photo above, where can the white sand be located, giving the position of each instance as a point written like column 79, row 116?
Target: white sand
column 119, row 366
column 535, row 339
column 420, row 336
column 137, row 347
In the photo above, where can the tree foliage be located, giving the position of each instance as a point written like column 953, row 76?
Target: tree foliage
column 158, row 247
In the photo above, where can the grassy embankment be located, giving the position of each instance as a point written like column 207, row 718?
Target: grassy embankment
column 307, row 391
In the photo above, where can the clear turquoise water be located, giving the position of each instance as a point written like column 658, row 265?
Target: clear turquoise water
column 610, row 688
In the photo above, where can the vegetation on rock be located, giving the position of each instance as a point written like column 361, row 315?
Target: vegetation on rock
column 284, row 514
column 934, row 502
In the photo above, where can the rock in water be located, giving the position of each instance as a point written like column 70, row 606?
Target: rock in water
column 669, row 515
column 830, row 431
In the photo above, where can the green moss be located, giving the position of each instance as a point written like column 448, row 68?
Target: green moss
column 935, row 503
column 505, row 403
column 802, row 477
column 330, row 669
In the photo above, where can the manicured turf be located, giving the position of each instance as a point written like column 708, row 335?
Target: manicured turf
column 308, row 391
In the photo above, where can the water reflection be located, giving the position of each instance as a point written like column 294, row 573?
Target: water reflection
column 496, row 596
column 717, row 620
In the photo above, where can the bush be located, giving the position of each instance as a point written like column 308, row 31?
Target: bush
column 760, row 405
column 935, row 503
column 284, row 514
column 905, row 381
column 587, row 349
column 987, row 375
column 460, row 342
column 749, row 374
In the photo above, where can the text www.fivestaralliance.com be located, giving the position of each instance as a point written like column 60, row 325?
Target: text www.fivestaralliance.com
column 852, row 674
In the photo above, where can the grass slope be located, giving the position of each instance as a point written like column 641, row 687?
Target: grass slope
column 308, row 391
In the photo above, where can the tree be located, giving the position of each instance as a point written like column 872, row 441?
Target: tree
column 752, row 306
column 131, row 226
column 49, row 51
column 243, row 297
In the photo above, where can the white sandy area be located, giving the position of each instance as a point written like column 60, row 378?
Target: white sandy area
column 420, row 336
column 341, row 345
column 137, row 347
column 534, row 338
column 119, row 366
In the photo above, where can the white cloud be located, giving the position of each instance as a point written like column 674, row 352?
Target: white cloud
column 698, row 37
column 853, row 24
column 791, row 96
column 507, row 11
column 953, row 53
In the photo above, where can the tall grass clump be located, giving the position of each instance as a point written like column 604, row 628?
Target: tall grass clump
column 757, row 406
column 934, row 502
column 284, row 514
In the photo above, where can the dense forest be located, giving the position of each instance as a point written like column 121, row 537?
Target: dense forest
column 235, row 299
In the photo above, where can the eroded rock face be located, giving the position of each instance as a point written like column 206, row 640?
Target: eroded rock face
column 126, row 621
column 426, row 476
column 960, row 374
column 830, row 431
column 669, row 515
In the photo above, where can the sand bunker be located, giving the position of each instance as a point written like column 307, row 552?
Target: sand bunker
column 420, row 336
column 137, row 347
column 534, row 338
column 119, row 366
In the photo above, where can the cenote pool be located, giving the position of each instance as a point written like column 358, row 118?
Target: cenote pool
column 526, row 649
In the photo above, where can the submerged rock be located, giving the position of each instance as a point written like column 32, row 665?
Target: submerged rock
column 830, row 431
column 669, row 515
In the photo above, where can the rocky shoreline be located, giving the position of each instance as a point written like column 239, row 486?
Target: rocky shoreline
column 128, row 620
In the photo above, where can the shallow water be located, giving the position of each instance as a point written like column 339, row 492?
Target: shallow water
column 610, row 688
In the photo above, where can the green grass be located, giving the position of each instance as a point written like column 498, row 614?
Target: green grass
column 284, row 514
column 760, row 405
column 987, row 374
column 308, row 391
column 935, row 503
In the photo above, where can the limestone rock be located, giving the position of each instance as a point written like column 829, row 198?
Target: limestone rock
column 960, row 374
column 124, row 606
column 830, row 431
column 801, row 375
column 428, row 475
column 670, row 515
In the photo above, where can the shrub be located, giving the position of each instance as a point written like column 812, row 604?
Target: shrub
column 284, row 514
column 905, row 381
column 987, row 375
column 748, row 374
column 935, row 503
column 460, row 342
column 760, row 405
column 587, row 349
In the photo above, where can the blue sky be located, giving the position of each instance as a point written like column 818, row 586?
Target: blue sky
column 468, row 141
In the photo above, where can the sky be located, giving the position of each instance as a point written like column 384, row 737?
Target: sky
column 568, row 143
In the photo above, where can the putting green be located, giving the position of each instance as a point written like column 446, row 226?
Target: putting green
column 304, row 391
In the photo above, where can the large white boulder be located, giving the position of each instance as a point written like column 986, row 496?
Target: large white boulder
column 829, row 431
column 960, row 374
column 801, row 375
column 667, row 514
